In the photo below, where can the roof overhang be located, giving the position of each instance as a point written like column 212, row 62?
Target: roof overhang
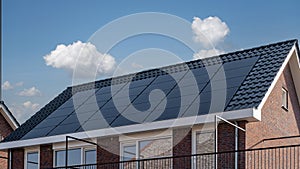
column 8, row 116
column 292, row 60
column 236, row 115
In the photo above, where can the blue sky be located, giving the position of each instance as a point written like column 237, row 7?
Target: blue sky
column 32, row 29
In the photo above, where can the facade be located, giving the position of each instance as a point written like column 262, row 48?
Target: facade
column 169, row 112
column 8, row 124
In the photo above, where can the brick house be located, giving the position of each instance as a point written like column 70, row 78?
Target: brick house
column 169, row 112
column 8, row 124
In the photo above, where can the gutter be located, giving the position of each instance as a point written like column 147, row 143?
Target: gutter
column 249, row 115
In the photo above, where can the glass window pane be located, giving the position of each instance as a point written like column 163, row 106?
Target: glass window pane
column 205, row 142
column 129, row 153
column 74, row 157
column 60, row 158
column 33, row 160
column 90, row 157
column 284, row 98
column 155, row 148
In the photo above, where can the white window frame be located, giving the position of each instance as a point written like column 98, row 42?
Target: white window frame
column 74, row 145
column 134, row 140
column 32, row 150
column 286, row 101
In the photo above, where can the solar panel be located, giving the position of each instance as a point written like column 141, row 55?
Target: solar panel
column 151, row 99
column 61, row 112
column 51, row 122
column 128, row 120
column 62, row 129
column 95, row 124
column 37, row 132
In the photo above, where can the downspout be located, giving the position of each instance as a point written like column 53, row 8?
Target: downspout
column 9, row 159
column 236, row 146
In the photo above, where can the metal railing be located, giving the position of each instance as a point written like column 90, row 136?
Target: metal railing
column 283, row 157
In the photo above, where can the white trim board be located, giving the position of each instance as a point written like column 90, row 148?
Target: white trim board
column 295, row 70
column 8, row 117
column 250, row 114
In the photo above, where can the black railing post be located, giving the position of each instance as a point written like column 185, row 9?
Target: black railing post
column 66, row 152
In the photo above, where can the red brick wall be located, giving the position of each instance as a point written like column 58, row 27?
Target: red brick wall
column 5, row 130
column 46, row 156
column 276, row 122
column 3, row 161
column 17, row 159
column 108, row 151
column 226, row 142
column 182, row 145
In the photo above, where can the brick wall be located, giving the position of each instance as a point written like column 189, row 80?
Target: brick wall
column 182, row 145
column 17, row 159
column 46, row 156
column 276, row 122
column 226, row 142
column 3, row 160
column 108, row 151
column 5, row 130
column 182, row 141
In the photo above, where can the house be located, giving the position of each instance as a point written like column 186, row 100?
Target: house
column 8, row 124
column 247, row 99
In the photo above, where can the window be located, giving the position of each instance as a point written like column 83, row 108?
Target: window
column 161, row 147
column 284, row 99
column 90, row 157
column 74, row 157
column 155, row 148
column 205, row 142
column 129, row 152
column 32, row 160
column 144, row 149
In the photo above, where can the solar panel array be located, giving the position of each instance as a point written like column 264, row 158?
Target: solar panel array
column 181, row 94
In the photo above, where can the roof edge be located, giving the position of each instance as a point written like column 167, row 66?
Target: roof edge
column 12, row 121
column 249, row 115
column 293, row 50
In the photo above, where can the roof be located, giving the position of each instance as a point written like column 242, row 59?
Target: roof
column 9, row 117
column 231, row 81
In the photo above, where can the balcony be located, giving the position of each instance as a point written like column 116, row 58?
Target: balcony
column 283, row 157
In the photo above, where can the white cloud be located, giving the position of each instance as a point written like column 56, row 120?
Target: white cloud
column 24, row 110
column 7, row 86
column 30, row 92
column 83, row 58
column 207, row 53
column 209, row 31
column 30, row 105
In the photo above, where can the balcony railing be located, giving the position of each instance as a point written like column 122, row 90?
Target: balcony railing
column 283, row 157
